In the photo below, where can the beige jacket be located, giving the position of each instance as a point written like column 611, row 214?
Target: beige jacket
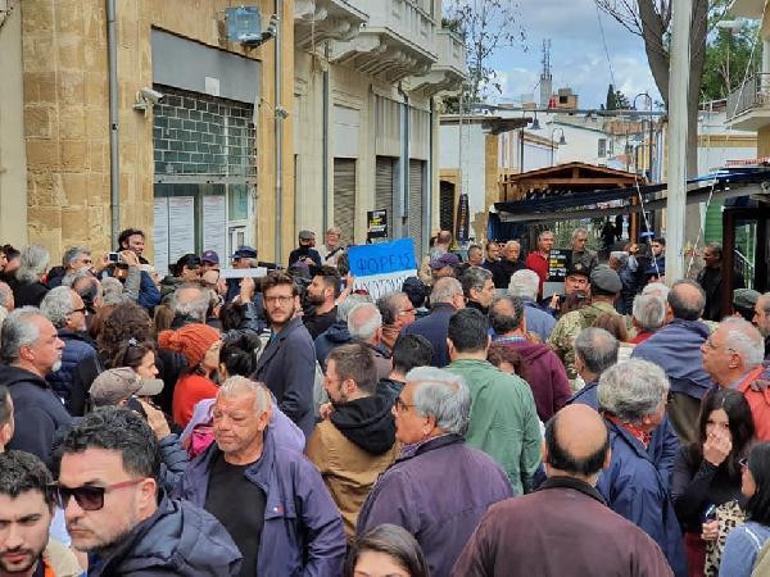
column 348, row 471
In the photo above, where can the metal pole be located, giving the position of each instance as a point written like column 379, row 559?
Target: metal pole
column 278, row 127
column 114, row 112
column 325, row 139
column 679, row 82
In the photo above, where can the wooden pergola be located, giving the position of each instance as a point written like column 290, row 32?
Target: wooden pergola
column 570, row 179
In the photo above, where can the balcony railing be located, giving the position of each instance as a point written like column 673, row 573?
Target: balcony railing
column 755, row 93
column 451, row 51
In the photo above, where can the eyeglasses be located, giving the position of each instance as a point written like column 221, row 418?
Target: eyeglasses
column 401, row 406
column 744, row 463
column 89, row 498
column 280, row 299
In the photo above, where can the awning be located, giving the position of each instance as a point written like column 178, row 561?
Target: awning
column 551, row 207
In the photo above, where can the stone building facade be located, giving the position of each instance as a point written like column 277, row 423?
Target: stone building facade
column 213, row 163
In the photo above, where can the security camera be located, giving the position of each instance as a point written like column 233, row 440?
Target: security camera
column 150, row 95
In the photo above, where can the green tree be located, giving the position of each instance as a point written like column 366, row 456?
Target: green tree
column 486, row 26
column 729, row 61
column 612, row 102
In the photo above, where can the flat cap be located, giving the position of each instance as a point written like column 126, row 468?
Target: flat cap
column 605, row 279
column 744, row 298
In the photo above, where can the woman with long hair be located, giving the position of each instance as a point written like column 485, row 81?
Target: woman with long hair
column 746, row 541
column 706, row 481
column 386, row 550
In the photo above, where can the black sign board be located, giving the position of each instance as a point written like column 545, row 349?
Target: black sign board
column 558, row 263
column 376, row 224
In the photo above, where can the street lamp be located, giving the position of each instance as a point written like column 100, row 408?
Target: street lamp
column 650, row 103
column 562, row 140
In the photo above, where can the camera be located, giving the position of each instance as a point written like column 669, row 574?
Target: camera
column 113, row 257
column 150, row 95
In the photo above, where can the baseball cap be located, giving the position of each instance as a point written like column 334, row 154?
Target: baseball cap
column 446, row 259
column 115, row 385
column 306, row 235
column 245, row 252
column 210, row 256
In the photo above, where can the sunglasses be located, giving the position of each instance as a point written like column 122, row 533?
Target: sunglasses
column 88, row 498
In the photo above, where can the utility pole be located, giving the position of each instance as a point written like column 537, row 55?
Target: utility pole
column 679, row 81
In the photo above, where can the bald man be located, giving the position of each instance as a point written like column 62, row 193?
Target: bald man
column 575, row 533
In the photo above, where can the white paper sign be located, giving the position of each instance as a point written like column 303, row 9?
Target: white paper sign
column 214, row 225
column 181, row 221
column 160, row 235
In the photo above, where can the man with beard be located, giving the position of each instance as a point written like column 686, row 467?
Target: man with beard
column 287, row 365
column 30, row 349
column 358, row 441
column 116, row 511
column 321, row 295
column 26, row 511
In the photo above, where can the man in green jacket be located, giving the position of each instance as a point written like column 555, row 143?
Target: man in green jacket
column 503, row 420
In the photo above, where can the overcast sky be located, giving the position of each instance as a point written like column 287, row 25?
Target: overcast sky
column 578, row 59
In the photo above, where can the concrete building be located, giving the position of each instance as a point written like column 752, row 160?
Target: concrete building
column 367, row 77
column 248, row 144
column 748, row 107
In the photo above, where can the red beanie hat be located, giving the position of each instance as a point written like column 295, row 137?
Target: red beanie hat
column 191, row 340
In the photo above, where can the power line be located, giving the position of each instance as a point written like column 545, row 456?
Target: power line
column 604, row 43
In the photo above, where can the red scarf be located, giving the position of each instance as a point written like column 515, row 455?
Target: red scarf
column 642, row 436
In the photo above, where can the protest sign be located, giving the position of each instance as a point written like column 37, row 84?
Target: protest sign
column 382, row 268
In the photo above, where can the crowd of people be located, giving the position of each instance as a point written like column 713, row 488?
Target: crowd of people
column 470, row 424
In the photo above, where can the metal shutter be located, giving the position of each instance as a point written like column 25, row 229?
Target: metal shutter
column 383, row 187
column 415, row 216
column 345, row 197
column 447, row 206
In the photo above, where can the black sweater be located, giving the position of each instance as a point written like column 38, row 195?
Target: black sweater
column 697, row 485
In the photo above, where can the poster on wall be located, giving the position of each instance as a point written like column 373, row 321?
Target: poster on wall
column 214, row 224
column 160, row 235
column 376, row 224
column 181, row 226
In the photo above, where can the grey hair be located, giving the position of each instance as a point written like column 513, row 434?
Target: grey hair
column 6, row 294
column 578, row 231
column 744, row 339
column 351, row 302
column 72, row 253
column 18, row 332
column 33, row 263
column 524, row 283
column 57, row 305
column 649, row 311
column 445, row 289
column 633, row 389
column 543, row 233
column 474, row 278
column 363, row 321
column 511, row 243
column 390, row 306
column 72, row 277
column 442, row 395
column 597, row 348
column 658, row 289
column 238, row 385
column 195, row 308
column 764, row 302
column 334, row 230
column 113, row 291
column 714, row 246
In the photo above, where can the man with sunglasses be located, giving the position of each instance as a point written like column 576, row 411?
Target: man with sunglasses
column 26, row 511
column 116, row 511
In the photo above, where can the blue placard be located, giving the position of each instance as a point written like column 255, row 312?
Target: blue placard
column 385, row 258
